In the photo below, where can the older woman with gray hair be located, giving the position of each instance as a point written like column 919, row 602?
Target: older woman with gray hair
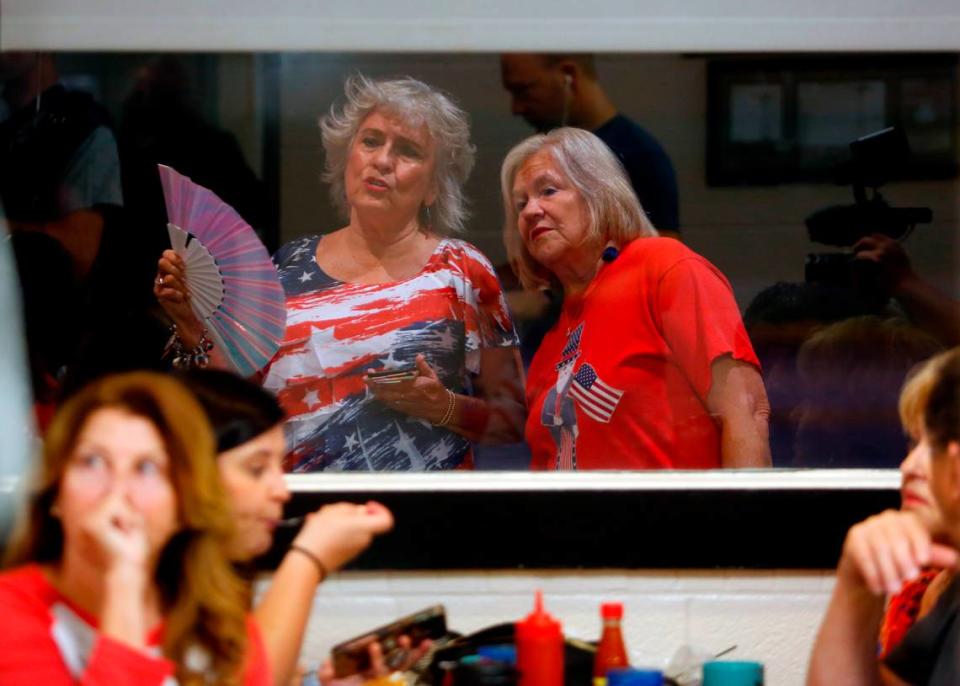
column 649, row 365
column 399, row 348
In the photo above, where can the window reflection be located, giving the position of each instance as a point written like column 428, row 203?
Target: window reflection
column 245, row 126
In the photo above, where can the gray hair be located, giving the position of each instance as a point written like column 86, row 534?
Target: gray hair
column 614, row 212
column 416, row 104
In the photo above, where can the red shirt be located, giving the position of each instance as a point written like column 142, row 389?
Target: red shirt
column 621, row 381
column 47, row 640
column 903, row 610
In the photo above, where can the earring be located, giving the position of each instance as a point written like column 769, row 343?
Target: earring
column 425, row 217
column 55, row 511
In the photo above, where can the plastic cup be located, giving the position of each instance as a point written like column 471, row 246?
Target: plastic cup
column 732, row 673
column 629, row 676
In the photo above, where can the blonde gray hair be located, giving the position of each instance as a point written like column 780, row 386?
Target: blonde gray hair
column 416, row 104
column 614, row 212
column 916, row 392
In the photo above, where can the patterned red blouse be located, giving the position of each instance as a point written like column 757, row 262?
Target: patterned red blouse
column 902, row 611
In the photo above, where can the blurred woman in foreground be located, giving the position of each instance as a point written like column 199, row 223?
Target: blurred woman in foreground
column 888, row 550
column 917, row 596
column 247, row 425
column 123, row 578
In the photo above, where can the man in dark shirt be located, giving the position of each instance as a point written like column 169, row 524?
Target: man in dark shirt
column 562, row 90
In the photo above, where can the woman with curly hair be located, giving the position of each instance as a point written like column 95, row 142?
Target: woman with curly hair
column 391, row 291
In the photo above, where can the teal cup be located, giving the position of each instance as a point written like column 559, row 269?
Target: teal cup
column 732, row 673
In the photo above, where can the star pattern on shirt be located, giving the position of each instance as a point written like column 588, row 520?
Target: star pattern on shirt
column 440, row 452
column 408, row 446
column 389, row 362
column 306, row 276
column 311, row 398
column 446, row 339
column 295, row 255
column 351, row 442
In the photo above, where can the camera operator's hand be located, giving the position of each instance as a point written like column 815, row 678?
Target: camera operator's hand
column 889, row 255
column 927, row 307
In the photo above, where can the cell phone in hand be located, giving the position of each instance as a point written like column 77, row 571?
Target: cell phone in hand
column 388, row 376
column 353, row 656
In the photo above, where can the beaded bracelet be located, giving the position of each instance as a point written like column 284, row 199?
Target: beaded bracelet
column 198, row 356
column 451, row 405
column 321, row 568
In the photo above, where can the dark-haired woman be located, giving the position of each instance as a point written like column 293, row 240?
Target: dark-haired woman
column 247, row 424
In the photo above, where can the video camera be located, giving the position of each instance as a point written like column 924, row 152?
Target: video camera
column 875, row 159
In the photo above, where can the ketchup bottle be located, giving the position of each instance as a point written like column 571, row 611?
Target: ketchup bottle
column 539, row 640
column 611, row 653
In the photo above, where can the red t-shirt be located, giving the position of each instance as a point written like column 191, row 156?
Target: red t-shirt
column 47, row 640
column 621, row 381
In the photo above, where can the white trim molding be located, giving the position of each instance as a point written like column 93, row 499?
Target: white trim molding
column 716, row 480
column 489, row 26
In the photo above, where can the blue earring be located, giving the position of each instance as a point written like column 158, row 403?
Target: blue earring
column 610, row 253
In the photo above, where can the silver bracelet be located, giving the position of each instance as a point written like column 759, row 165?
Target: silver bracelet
column 198, row 356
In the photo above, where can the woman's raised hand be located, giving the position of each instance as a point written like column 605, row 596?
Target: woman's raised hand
column 171, row 290
column 424, row 396
column 114, row 536
column 889, row 549
column 337, row 533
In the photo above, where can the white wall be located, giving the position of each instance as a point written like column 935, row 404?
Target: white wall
column 621, row 25
column 771, row 616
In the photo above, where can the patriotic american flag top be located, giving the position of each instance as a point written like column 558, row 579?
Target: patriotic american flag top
column 596, row 398
column 571, row 351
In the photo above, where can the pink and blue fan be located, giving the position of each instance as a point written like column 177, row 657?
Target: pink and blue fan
column 234, row 287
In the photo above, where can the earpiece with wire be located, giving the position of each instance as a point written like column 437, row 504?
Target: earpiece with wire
column 567, row 87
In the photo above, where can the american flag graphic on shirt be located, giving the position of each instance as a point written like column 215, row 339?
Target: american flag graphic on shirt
column 596, row 398
column 449, row 312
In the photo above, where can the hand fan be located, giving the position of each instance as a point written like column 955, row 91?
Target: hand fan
column 234, row 287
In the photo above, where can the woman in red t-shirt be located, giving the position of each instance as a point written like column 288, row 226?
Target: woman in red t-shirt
column 649, row 365
column 124, row 577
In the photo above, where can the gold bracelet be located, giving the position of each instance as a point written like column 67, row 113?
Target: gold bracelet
column 321, row 568
column 451, row 406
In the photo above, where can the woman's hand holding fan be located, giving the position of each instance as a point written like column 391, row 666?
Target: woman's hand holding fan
column 171, row 291
column 218, row 279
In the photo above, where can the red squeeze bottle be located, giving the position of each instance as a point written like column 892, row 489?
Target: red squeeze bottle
column 539, row 641
column 611, row 653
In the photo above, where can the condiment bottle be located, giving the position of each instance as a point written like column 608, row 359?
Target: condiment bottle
column 611, row 653
column 539, row 640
